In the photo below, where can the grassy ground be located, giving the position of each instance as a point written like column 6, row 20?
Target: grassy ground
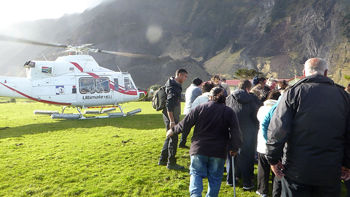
column 94, row 157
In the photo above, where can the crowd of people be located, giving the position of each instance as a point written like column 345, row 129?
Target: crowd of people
column 299, row 134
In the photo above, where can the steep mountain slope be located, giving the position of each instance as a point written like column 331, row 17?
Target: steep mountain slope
column 208, row 37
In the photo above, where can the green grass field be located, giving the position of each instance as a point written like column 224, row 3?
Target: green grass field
column 91, row 157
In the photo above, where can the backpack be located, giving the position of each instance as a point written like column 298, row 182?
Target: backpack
column 159, row 98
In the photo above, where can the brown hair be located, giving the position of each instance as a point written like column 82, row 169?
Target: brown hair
column 282, row 85
column 274, row 94
column 245, row 83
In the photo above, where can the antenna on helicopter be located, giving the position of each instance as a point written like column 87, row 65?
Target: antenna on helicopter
column 43, row 56
column 119, row 69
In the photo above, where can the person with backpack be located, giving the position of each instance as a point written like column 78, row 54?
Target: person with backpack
column 171, row 116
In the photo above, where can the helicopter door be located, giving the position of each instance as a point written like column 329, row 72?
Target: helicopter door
column 118, row 97
column 94, row 91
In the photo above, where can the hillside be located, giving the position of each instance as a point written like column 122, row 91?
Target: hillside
column 205, row 37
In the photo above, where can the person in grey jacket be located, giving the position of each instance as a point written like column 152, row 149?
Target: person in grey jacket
column 311, row 130
column 192, row 92
column 246, row 109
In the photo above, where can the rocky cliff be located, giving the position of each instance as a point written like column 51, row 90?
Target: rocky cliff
column 210, row 37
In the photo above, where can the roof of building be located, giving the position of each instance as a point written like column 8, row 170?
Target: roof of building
column 235, row 82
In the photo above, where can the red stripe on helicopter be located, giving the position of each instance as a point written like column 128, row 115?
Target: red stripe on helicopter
column 129, row 92
column 34, row 99
column 99, row 107
column 94, row 75
column 111, row 85
column 121, row 89
column 78, row 66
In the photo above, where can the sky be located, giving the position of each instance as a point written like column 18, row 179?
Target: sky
column 13, row 11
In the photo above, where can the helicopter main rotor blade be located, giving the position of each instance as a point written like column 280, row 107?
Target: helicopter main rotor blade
column 133, row 55
column 11, row 39
column 82, row 48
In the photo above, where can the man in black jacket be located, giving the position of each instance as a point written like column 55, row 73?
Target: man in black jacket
column 171, row 116
column 312, row 122
column 216, row 128
column 246, row 109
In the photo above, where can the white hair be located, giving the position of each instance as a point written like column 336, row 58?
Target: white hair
column 315, row 66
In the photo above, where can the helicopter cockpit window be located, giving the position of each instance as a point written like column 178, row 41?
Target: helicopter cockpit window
column 102, row 85
column 128, row 84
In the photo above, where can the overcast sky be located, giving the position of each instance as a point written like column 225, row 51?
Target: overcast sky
column 12, row 11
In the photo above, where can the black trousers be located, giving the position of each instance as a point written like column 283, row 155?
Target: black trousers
column 244, row 163
column 276, row 187
column 292, row 188
column 264, row 171
column 170, row 144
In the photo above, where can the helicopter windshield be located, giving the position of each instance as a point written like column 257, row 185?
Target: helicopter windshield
column 129, row 85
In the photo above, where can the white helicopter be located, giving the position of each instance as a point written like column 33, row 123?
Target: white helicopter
column 75, row 81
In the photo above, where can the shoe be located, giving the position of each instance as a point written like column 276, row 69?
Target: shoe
column 260, row 194
column 162, row 163
column 184, row 146
column 229, row 184
column 248, row 188
column 174, row 167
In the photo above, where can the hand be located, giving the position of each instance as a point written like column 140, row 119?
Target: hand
column 169, row 133
column 277, row 169
column 233, row 153
column 345, row 173
column 172, row 124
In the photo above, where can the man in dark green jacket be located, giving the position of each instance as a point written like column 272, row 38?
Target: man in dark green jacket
column 171, row 116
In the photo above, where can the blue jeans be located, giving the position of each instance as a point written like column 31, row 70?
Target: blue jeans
column 202, row 167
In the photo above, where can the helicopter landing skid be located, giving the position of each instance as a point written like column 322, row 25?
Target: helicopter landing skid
column 80, row 115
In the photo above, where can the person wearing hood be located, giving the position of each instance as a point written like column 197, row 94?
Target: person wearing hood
column 246, row 109
column 263, row 166
column 171, row 116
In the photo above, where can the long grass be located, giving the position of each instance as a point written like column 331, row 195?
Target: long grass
column 93, row 157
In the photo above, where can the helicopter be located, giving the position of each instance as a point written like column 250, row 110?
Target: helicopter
column 75, row 80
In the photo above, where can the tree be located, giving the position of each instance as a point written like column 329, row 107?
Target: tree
column 246, row 74
column 347, row 77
